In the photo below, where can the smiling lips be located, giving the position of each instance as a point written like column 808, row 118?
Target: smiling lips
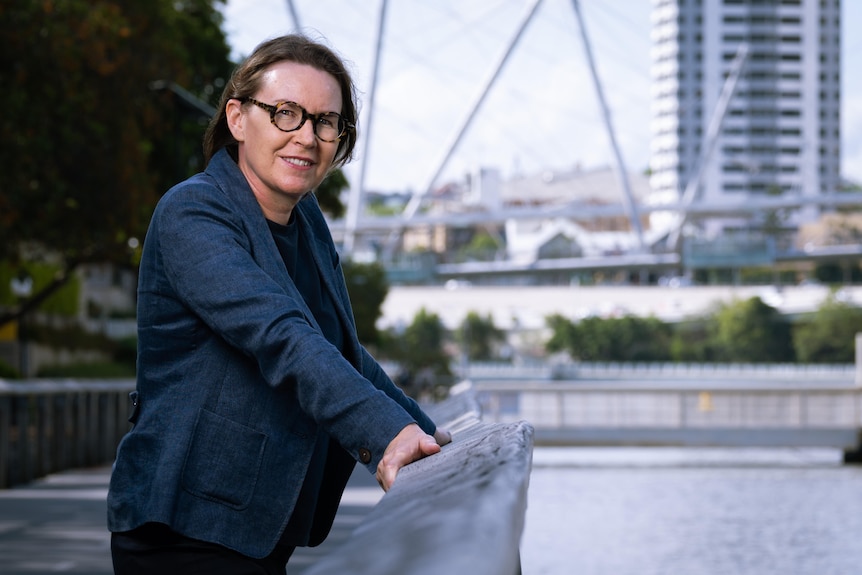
column 299, row 162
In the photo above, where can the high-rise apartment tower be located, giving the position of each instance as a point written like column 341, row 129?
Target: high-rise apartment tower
column 780, row 132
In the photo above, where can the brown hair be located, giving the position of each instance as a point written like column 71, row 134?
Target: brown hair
column 245, row 82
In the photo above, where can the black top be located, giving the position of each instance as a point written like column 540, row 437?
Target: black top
column 302, row 269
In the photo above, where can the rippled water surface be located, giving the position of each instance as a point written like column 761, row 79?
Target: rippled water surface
column 691, row 512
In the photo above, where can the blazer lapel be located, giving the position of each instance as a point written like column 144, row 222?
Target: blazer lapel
column 333, row 284
column 265, row 252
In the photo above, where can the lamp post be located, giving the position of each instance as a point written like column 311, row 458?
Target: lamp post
column 22, row 287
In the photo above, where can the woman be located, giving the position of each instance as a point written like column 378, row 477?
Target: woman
column 254, row 397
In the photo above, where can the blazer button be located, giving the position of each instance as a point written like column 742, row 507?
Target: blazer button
column 364, row 456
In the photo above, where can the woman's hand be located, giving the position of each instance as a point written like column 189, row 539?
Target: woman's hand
column 408, row 446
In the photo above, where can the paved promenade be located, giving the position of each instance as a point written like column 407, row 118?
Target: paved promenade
column 57, row 524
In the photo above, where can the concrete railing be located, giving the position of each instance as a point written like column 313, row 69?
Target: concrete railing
column 48, row 426
column 597, row 370
column 460, row 511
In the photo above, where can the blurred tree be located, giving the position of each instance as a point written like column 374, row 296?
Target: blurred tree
column 422, row 356
column 91, row 146
column 563, row 334
column 479, row 336
column 329, row 194
column 691, row 340
column 367, row 286
column 829, row 336
column 627, row 338
column 752, row 331
column 482, row 247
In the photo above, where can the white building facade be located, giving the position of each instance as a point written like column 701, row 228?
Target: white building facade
column 780, row 133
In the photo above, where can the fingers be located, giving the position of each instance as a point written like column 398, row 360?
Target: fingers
column 428, row 446
column 408, row 446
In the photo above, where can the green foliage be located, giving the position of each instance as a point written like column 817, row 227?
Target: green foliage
column 482, row 247
column 424, row 341
column 747, row 331
column 626, row 338
column 380, row 206
column 70, row 337
column 94, row 370
column 90, row 146
column 752, row 331
column 421, row 353
column 829, row 335
column 126, row 351
column 691, row 342
column 7, row 371
column 63, row 302
column 563, row 334
column 367, row 286
column 329, row 194
column 479, row 336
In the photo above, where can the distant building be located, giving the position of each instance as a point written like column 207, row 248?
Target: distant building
column 592, row 187
column 576, row 235
column 781, row 132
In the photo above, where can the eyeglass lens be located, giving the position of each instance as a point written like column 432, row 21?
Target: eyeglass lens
column 289, row 116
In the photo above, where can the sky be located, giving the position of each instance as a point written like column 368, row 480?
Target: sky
column 540, row 113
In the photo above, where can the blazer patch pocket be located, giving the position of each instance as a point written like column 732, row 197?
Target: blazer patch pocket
column 223, row 461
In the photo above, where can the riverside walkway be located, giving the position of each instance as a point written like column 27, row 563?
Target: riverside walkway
column 471, row 498
column 57, row 524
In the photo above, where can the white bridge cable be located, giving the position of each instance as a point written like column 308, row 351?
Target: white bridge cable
column 355, row 200
column 294, row 15
column 415, row 201
column 713, row 132
column 622, row 174
column 353, row 226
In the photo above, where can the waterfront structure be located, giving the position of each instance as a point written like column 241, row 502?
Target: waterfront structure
column 779, row 133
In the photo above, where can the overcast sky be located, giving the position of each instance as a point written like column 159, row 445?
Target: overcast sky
column 541, row 112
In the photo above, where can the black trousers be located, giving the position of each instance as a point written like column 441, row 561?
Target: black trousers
column 153, row 549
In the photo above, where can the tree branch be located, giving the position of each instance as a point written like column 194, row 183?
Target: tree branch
column 26, row 306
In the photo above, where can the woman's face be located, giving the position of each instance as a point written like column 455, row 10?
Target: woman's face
column 282, row 166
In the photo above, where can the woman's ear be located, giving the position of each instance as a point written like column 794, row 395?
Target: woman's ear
column 235, row 119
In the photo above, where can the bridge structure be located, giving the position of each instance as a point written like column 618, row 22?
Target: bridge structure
column 48, row 426
column 657, row 251
column 681, row 405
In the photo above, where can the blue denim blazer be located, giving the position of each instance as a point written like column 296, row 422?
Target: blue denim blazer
column 235, row 377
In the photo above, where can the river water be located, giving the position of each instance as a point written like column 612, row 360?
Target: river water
column 692, row 511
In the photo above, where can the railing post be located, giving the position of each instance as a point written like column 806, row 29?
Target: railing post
column 43, row 435
column 92, row 427
column 803, row 409
column 25, row 455
column 5, row 432
column 561, row 411
column 80, row 429
column 683, row 416
column 858, row 359
column 64, row 429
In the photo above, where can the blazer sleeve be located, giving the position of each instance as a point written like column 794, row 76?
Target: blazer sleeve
column 372, row 370
column 369, row 367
